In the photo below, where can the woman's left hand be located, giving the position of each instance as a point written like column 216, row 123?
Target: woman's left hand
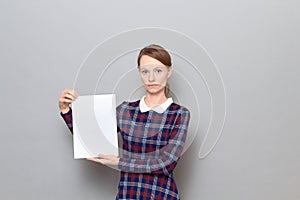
column 105, row 159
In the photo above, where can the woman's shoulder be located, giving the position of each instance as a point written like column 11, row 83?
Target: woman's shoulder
column 128, row 104
column 179, row 107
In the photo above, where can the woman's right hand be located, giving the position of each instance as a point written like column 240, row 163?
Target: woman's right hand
column 66, row 98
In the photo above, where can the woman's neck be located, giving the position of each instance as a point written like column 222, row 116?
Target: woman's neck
column 152, row 100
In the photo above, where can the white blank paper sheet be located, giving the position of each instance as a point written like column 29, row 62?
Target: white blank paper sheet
column 94, row 125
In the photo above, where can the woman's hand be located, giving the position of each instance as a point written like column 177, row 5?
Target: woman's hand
column 105, row 159
column 66, row 98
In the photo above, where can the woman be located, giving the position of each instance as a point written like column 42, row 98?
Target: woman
column 153, row 130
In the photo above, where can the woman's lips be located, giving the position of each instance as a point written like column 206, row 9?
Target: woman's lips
column 152, row 85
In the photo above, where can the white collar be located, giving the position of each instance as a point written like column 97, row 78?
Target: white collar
column 159, row 108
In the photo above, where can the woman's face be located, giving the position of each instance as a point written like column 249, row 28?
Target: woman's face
column 154, row 74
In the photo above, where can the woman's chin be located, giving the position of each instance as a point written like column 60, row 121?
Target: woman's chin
column 154, row 91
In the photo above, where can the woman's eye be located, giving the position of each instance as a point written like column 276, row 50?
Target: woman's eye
column 159, row 70
column 144, row 72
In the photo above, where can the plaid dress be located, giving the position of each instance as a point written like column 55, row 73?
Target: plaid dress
column 152, row 143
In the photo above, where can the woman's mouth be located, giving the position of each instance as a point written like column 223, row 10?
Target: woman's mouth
column 152, row 85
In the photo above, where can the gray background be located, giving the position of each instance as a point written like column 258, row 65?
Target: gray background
column 254, row 43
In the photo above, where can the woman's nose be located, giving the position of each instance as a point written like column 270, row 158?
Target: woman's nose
column 151, row 76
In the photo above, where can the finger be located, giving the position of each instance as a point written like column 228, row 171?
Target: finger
column 92, row 159
column 102, row 161
column 68, row 92
column 64, row 100
column 103, row 156
column 74, row 93
column 69, row 96
column 97, row 160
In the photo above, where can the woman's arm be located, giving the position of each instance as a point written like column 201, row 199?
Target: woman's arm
column 67, row 97
column 68, row 119
column 166, row 159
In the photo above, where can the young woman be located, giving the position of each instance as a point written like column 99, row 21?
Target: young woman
column 153, row 130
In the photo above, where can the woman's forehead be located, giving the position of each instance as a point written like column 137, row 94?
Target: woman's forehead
column 152, row 66
column 146, row 60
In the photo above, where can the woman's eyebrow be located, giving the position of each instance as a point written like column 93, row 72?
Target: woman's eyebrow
column 160, row 67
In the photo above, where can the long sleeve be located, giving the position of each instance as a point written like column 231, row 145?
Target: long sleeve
column 166, row 160
column 68, row 119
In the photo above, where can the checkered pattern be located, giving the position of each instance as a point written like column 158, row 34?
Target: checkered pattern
column 151, row 147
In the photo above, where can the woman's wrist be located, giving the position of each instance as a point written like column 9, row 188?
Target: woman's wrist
column 64, row 111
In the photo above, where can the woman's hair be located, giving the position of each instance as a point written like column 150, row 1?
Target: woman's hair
column 159, row 53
